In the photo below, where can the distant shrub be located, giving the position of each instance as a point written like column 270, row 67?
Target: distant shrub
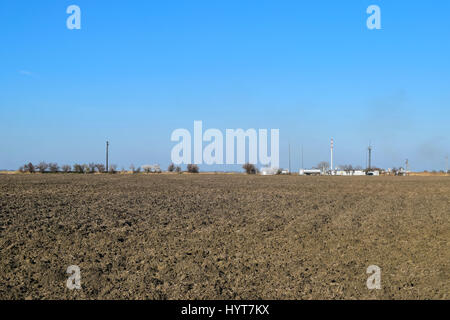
column 42, row 166
column 29, row 168
column 21, row 169
column 66, row 168
column 171, row 168
column 146, row 168
column 249, row 168
column 134, row 169
column 113, row 168
column 53, row 167
column 92, row 166
column 155, row 168
column 100, row 167
column 178, row 169
column 78, row 168
column 192, row 168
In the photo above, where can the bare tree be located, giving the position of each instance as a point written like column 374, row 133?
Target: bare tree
column 78, row 168
column 134, row 169
column 192, row 168
column 53, row 167
column 92, row 167
column 66, row 168
column 178, row 169
column 29, row 168
column 113, row 168
column 324, row 166
column 249, row 168
column 100, row 167
column 171, row 167
column 346, row 167
column 42, row 166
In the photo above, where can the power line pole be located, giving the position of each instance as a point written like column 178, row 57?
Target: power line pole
column 289, row 158
column 107, row 149
column 446, row 164
column 303, row 167
column 370, row 156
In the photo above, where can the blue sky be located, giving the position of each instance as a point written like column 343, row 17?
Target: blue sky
column 137, row 70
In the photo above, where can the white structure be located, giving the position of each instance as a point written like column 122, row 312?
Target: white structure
column 331, row 149
column 268, row 171
column 348, row 173
column 310, row 172
column 155, row 168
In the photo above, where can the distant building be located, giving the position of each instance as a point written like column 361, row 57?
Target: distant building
column 310, row 172
column 268, row 171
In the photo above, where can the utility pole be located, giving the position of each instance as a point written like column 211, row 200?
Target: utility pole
column 107, row 149
column 289, row 158
column 303, row 167
column 370, row 156
column 446, row 164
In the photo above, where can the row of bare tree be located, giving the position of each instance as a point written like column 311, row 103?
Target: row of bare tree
column 52, row 167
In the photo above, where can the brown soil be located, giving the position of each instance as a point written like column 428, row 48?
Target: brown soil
column 223, row 236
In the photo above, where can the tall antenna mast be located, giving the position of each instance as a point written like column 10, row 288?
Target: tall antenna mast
column 370, row 156
column 107, row 149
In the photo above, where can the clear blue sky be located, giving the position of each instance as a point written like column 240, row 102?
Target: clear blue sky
column 137, row 70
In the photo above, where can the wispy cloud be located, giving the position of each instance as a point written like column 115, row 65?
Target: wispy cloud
column 25, row 72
